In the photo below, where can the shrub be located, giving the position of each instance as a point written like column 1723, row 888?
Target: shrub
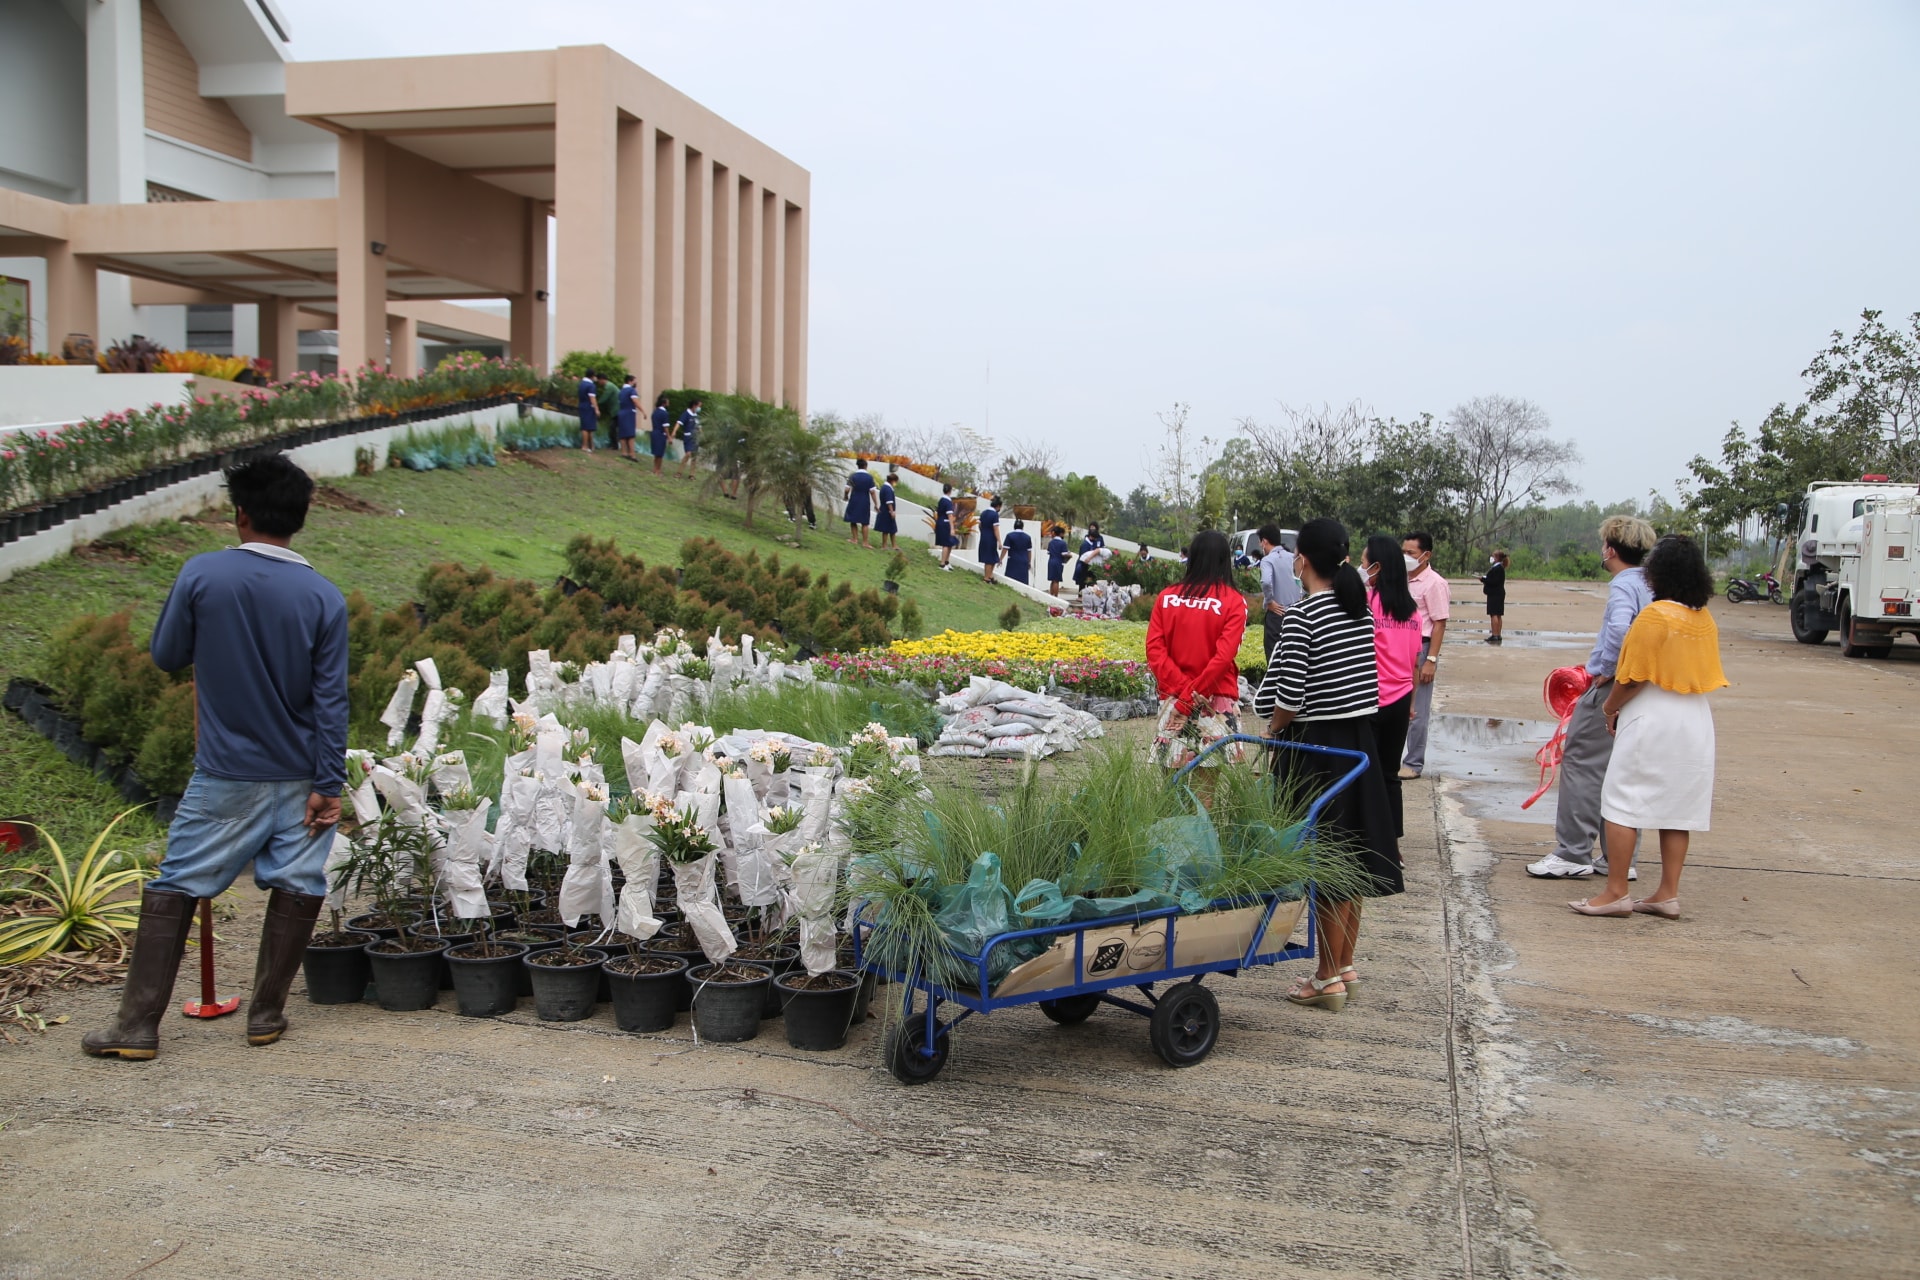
column 1139, row 609
column 576, row 363
column 1010, row 620
column 911, row 624
column 165, row 759
column 897, row 567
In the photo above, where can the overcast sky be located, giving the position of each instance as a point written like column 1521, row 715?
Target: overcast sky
column 1644, row 217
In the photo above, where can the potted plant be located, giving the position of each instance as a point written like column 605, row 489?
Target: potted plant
column 406, row 969
column 336, row 965
column 486, row 975
column 646, row 987
column 728, row 995
column 565, row 980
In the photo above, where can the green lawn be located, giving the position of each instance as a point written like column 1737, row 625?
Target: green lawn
column 516, row 517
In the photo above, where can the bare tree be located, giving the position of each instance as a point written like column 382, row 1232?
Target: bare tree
column 1511, row 462
column 1174, row 469
column 1310, row 441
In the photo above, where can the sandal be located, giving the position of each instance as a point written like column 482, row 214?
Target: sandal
column 1321, row 995
column 1349, row 979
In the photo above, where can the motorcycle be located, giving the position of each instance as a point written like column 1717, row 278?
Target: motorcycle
column 1739, row 591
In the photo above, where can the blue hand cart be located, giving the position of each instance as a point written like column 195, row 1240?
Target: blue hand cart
column 1138, row 950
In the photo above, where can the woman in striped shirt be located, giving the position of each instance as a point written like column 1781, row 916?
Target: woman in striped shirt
column 1322, row 688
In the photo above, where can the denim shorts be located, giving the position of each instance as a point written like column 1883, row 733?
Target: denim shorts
column 223, row 823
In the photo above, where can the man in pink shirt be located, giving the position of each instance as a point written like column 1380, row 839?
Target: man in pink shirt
column 1430, row 593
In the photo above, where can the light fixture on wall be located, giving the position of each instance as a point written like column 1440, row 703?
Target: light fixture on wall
column 379, row 248
column 539, row 295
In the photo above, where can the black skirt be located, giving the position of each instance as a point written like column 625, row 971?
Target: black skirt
column 1360, row 817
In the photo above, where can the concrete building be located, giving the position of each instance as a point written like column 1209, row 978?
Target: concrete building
column 186, row 180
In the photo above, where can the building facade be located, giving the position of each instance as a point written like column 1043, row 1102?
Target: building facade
column 196, row 185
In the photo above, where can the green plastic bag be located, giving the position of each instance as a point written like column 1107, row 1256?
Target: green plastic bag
column 1186, row 855
column 973, row 912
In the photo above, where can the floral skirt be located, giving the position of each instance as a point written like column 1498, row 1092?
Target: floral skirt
column 1179, row 738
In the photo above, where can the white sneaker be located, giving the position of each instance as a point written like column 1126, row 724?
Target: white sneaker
column 1633, row 872
column 1555, row 867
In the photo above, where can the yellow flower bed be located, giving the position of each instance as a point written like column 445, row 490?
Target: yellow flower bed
column 1031, row 646
column 1129, row 639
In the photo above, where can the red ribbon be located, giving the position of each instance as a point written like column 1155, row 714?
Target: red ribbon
column 1562, row 693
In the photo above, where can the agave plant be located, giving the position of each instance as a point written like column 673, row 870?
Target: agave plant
column 74, row 906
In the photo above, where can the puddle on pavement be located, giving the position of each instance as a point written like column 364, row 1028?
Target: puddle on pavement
column 1495, row 755
column 1520, row 638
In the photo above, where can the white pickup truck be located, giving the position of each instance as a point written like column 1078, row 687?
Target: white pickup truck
column 1858, row 570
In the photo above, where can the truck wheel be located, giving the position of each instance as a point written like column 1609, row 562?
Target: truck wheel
column 1798, row 614
column 1851, row 645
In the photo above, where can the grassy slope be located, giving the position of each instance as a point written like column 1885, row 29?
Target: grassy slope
column 516, row 517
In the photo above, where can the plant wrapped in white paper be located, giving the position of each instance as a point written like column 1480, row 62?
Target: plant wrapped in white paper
column 493, row 704
column 466, row 854
column 814, row 872
column 400, row 708
column 639, row 860
column 587, row 886
column 688, row 847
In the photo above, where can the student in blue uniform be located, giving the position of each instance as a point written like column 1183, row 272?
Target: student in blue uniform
column 589, row 410
column 687, row 431
column 859, row 496
column 1092, row 542
column 1020, row 553
column 1056, row 558
column 629, row 423
column 943, row 527
column 886, row 520
column 657, row 441
column 990, row 539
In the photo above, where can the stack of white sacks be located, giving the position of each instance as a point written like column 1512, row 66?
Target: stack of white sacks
column 992, row 719
column 768, row 801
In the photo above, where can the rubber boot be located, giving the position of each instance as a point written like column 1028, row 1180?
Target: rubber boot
column 165, row 919
column 283, row 944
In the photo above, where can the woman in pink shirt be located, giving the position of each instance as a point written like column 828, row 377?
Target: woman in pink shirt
column 1396, row 647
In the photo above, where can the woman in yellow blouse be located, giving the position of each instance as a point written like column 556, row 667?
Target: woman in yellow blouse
column 1661, row 774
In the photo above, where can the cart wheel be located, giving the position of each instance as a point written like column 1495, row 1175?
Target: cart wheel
column 1069, row 1010
column 1185, row 1025
column 904, row 1059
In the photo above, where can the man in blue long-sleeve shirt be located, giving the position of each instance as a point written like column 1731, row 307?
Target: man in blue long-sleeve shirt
column 266, row 636
column 1624, row 543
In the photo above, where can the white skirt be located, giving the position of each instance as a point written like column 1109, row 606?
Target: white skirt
column 1661, row 773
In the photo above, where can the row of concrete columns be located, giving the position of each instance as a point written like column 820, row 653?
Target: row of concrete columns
column 693, row 270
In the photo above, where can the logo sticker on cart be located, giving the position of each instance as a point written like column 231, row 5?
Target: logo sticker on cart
column 1107, row 958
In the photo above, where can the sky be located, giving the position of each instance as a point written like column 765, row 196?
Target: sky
column 1053, row 221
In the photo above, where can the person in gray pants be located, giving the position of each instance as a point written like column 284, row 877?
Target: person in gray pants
column 1624, row 543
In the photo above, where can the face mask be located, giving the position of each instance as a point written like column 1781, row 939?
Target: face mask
column 1413, row 563
column 1492, row 560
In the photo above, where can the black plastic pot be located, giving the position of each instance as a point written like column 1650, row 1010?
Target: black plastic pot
column 645, row 1001
column 728, row 1012
column 485, row 986
column 405, row 980
column 365, row 924
column 70, row 507
column 783, row 959
column 450, row 937
column 564, row 993
column 680, row 949
column 19, row 689
column 550, row 938
column 131, row 788
column 818, row 1019
column 338, row 973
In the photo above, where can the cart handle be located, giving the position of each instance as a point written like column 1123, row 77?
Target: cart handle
column 1361, row 761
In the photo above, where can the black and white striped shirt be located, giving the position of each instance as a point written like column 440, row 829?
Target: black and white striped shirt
column 1324, row 667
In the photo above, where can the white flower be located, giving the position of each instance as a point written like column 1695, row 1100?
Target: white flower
column 821, row 757
column 592, row 792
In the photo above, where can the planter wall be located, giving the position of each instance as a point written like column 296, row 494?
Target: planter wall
column 157, row 495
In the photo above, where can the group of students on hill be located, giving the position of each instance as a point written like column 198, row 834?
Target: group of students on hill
column 876, row 507
column 617, row 410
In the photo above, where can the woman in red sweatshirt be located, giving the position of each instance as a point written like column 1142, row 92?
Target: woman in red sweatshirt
column 1193, row 647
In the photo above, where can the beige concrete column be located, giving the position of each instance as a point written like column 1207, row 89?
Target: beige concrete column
column 585, row 154
column 747, row 322
column 726, row 279
column 699, row 271
column 362, row 273
column 773, row 242
column 633, row 264
column 793, row 314
column 280, row 335
column 527, row 314
column 669, row 263
column 403, row 333
column 73, row 296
